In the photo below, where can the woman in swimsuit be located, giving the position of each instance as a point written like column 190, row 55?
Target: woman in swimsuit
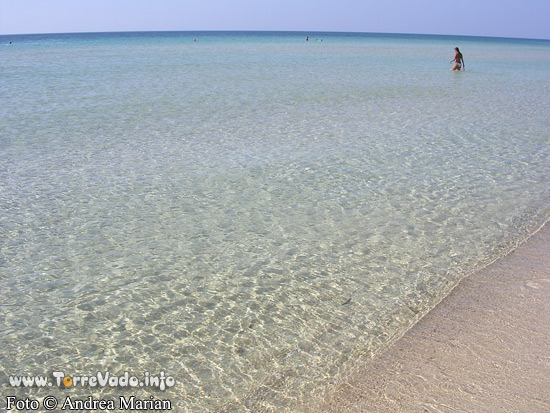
column 459, row 60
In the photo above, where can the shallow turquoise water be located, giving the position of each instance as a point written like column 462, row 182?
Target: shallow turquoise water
column 250, row 212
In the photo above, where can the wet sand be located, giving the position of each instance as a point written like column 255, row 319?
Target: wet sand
column 484, row 348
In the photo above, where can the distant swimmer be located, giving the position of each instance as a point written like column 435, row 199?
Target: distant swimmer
column 307, row 38
column 459, row 61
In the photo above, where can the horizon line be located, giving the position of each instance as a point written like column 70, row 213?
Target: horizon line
column 271, row 31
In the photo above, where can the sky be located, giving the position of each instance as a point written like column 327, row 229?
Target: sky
column 498, row 18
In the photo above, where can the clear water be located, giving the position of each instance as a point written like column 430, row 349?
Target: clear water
column 250, row 212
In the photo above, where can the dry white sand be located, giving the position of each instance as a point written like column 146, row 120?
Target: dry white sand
column 484, row 348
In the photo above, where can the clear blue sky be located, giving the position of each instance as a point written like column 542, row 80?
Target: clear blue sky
column 501, row 18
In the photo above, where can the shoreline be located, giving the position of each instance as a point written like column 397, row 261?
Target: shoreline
column 484, row 348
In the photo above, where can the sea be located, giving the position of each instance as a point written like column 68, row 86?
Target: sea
column 248, row 216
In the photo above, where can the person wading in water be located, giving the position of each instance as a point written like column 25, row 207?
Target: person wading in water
column 459, row 60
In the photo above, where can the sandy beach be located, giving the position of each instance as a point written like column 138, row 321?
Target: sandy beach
column 484, row 348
